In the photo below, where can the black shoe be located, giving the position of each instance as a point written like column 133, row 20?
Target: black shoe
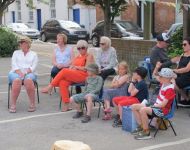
column 116, row 118
column 78, row 115
column 86, row 119
column 117, row 124
column 184, row 103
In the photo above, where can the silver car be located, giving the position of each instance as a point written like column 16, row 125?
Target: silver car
column 24, row 29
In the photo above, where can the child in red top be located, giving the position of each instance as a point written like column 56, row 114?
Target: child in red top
column 160, row 108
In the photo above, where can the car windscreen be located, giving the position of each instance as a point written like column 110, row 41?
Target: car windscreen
column 127, row 25
column 69, row 24
column 20, row 26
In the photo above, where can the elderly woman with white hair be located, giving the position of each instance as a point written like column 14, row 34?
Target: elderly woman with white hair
column 24, row 63
column 106, row 58
column 76, row 73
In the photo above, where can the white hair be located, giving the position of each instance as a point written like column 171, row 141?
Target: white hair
column 106, row 40
column 82, row 43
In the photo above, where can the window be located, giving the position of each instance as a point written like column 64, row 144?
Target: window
column 52, row 9
column 18, row 4
column 31, row 15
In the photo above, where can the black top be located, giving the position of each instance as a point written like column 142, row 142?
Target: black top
column 184, row 60
column 143, row 90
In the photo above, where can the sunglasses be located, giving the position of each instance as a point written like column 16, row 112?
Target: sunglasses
column 102, row 43
column 81, row 48
column 184, row 44
column 21, row 42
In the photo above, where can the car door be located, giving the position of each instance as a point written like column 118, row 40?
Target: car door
column 55, row 29
column 100, row 29
column 115, row 31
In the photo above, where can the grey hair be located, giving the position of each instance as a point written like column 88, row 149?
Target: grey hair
column 106, row 40
column 82, row 43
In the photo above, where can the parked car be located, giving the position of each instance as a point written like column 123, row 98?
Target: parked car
column 174, row 27
column 24, row 29
column 119, row 29
column 73, row 30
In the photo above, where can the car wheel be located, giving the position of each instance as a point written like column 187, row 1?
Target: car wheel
column 95, row 41
column 43, row 37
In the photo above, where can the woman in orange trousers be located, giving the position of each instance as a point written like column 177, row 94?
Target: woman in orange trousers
column 76, row 73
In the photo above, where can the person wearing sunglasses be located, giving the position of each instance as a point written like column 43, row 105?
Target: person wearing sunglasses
column 23, row 72
column 76, row 73
column 183, row 73
column 106, row 58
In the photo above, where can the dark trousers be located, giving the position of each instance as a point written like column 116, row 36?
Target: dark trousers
column 104, row 74
column 54, row 71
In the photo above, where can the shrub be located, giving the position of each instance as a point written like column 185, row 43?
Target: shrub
column 8, row 42
column 175, row 48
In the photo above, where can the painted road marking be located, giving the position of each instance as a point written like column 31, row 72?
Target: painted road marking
column 165, row 144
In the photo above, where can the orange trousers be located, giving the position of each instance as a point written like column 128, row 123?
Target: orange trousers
column 125, row 100
column 65, row 78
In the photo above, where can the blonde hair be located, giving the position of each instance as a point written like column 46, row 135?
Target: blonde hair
column 125, row 65
column 82, row 43
column 106, row 40
column 64, row 37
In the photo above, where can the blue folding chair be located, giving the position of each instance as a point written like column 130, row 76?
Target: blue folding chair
column 167, row 117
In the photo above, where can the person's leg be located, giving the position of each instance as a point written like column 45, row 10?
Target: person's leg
column 136, row 111
column 64, row 92
column 105, row 73
column 54, row 71
column 30, row 88
column 16, row 87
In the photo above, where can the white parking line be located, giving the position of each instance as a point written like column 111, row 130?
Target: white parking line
column 165, row 144
column 31, row 117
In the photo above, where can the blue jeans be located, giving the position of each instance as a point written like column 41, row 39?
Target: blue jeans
column 12, row 76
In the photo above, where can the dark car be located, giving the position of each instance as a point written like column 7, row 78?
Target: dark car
column 119, row 29
column 73, row 30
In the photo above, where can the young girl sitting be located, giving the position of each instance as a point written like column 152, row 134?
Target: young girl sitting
column 118, row 88
column 93, row 86
column 160, row 108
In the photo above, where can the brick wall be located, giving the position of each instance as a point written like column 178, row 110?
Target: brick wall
column 130, row 14
column 132, row 51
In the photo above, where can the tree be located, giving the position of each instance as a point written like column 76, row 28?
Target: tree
column 3, row 5
column 111, row 9
column 186, row 18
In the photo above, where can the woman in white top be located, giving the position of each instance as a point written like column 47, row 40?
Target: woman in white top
column 106, row 58
column 24, row 63
column 62, row 55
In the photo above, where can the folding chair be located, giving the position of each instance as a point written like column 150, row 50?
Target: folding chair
column 10, row 87
column 186, row 89
column 167, row 117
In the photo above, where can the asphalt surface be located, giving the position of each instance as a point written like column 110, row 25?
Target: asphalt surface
column 40, row 129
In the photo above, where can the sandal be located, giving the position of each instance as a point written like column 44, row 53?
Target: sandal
column 12, row 110
column 108, row 110
column 65, row 110
column 31, row 109
column 47, row 90
column 107, row 117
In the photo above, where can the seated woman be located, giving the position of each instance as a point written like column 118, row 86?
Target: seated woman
column 62, row 55
column 183, row 73
column 119, row 87
column 24, row 62
column 106, row 58
column 76, row 73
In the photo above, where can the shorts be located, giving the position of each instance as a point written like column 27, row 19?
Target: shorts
column 79, row 98
column 12, row 76
column 157, row 112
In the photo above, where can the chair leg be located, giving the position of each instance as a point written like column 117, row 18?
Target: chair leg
column 172, row 127
column 9, row 90
column 37, row 90
column 60, row 103
column 99, row 109
column 158, row 128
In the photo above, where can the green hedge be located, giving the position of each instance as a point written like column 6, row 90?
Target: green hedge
column 175, row 48
column 8, row 42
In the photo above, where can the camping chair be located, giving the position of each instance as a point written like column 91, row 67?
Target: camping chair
column 10, row 87
column 167, row 117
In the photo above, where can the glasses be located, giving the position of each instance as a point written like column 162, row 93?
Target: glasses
column 81, row 48
column 102, row 43
column 21, row 42
column 184, row 44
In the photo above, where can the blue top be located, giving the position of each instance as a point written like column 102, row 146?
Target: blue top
column 63, row 57
column 143, row 90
